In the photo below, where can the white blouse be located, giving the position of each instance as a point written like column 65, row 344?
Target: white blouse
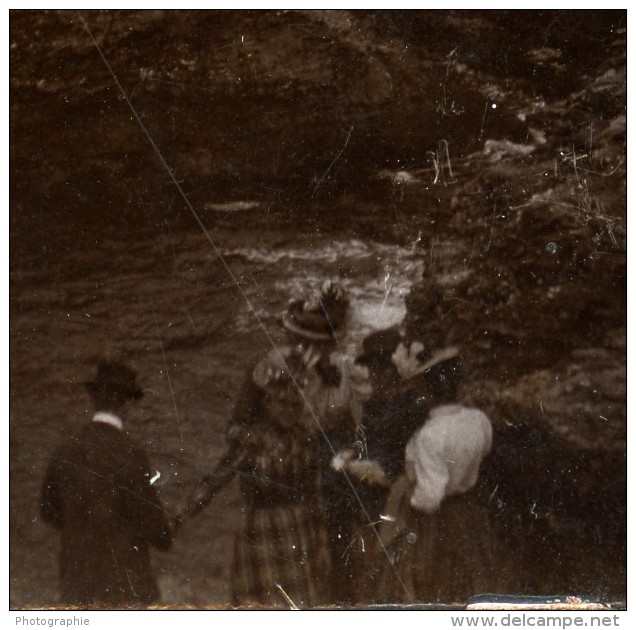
column 443, row 457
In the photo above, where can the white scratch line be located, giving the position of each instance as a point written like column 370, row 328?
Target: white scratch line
column 155, row 478
column 387, row 286
column 333, row 162
column 287, row 597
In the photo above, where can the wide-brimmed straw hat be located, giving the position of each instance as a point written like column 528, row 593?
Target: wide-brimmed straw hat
column 441, row 355
column 321, row 318
column 115, row 378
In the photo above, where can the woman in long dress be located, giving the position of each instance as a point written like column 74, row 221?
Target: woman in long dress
column 292, row 408
column 439, row 533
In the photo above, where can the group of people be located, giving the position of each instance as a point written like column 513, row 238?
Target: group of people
column 341, row 507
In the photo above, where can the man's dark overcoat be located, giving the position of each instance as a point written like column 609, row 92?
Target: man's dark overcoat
column 98, row 493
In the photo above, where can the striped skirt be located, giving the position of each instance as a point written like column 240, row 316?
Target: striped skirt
column 281, row 558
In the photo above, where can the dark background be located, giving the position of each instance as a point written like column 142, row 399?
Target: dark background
column 307, row 143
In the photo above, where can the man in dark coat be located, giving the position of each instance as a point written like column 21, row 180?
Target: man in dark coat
column 98, row 491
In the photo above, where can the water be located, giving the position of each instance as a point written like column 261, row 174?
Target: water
column 165, row 301
column 377, row 279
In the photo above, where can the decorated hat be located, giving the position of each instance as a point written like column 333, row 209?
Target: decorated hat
column 115, row 378
column 321, row 318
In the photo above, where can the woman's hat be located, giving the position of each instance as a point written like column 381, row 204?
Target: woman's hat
column 321, row 318
column 115, row 378
column 442, row 355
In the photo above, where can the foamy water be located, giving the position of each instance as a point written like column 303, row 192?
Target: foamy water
column 377, row 277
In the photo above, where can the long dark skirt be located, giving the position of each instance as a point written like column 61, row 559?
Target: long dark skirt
column 281, row 559
column 440, row 558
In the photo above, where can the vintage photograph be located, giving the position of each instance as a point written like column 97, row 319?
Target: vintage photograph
column 317, row 309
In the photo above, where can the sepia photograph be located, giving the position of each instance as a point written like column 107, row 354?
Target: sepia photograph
column 317, row 309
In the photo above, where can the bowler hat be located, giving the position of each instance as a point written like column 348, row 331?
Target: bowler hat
column 115, row 378
column 379, row 346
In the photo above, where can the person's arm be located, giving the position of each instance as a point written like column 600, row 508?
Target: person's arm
column 210, row 485
column 369, row 471
column 141, row 503
column 427, row 467
column 247, row 408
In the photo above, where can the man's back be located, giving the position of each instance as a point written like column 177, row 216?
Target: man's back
column 97, row 491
